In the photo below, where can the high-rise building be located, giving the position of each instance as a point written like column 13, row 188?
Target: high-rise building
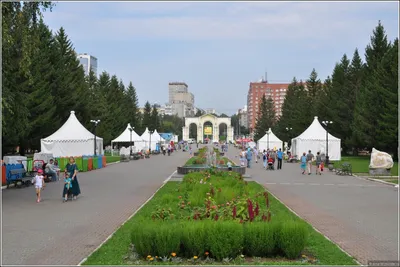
column 180, row 99
column 88, row 62
column 277, row 91
column 243, row 116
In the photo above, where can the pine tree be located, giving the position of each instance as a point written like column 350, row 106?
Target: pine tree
column 341, row 110
column 314, row 88
column 356, row 76
column 133, row 108
column 147, row 120
column 388, row 75
column 40, row 101
column 155, row 122
column 265, row 117
column 369, row 99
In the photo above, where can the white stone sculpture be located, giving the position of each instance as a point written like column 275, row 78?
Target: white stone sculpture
column 380, row 160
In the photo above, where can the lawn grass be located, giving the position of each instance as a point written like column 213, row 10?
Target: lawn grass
column 111, row 159
column 115, row 250
column 360, row 164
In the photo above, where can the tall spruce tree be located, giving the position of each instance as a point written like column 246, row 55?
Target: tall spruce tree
column 388, row 75
column 314, row 88
column 133, row 106
column 40, row 101
column 147, row 120
column 155, row 121
column 341, row 109
column 369, row 100
column 265, row 117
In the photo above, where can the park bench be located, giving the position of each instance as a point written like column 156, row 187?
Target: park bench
column 15, row 176
column 344, row 169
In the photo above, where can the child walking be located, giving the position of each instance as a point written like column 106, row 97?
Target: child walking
column 38, row 181
column 303, row 163
column 67, row 187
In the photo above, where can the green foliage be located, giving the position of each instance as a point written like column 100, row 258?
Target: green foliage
column 292, row 238
column 260, row 239
column 225, row 239
column 360, row 98
column 265, row 117
column 194, row 238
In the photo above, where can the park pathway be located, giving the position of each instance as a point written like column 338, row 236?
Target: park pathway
column 360, row 216
column 56, row 233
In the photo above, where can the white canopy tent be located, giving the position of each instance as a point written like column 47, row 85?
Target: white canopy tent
column 146, row 137
column 157, row 138
column 270, row 141
column 125, row 137
column 72, row 139
column 314, row 139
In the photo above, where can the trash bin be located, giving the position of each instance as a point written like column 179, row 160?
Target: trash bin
column 95, row 163
column 85, row 164
column 100, row 162
column 90, row 164
column 104, row 161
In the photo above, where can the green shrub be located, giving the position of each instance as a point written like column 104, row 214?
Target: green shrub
column 166, row 238
column 194, row 238
column 141, row 237
column 225, row 239
column 151, row 238
column 260, row 238
column 292, row 238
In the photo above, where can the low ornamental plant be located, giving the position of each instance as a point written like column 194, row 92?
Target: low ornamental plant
column 217, row 215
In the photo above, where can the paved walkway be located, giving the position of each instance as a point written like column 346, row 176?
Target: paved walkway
column 56, row 233
column 361, row 216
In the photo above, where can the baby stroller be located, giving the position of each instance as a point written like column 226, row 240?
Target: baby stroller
column 270, row 164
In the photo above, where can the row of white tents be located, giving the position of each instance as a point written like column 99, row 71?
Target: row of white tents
column 313, row 138
column 73, row 139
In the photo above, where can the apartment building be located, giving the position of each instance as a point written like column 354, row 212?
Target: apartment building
column 88, row 62
column 277, row 91
column 243, row 116
column 180, row 99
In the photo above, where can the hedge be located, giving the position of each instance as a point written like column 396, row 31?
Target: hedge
column 221, row 239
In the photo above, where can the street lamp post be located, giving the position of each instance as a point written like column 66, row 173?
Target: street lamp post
column 326, row 123
column 267, row 132
column 95, row 126
column 130, row 143
column 150, row 133
column 288, row 129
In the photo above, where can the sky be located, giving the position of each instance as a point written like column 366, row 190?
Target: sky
column 218, row 48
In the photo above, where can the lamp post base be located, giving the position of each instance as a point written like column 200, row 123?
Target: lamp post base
column 327, row 160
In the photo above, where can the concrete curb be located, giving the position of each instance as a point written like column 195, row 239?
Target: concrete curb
column 376, row 180
column 130, row 217
column 312, row 226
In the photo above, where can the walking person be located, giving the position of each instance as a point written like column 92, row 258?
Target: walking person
column 318, row 162
column 38, row 181
column 51, row 170
column 256, row 154
column 249, row 157
column 190, row 151
column 72, row 169
column 279, row 155
column 265, row 159
column 303, row 163
column 310, row 158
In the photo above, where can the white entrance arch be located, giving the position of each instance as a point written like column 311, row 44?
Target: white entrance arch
column 215, row 121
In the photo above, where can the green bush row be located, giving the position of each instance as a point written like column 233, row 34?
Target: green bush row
column 221, row 239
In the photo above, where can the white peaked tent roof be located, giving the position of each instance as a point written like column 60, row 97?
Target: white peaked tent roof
column 126, row 136
column 272, row 137
column 146, row 135
column 315, row 132
column 72, row 130
column 156, row 136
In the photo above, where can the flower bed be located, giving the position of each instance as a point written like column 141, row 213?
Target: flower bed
column 216, row 217
column 220, row 216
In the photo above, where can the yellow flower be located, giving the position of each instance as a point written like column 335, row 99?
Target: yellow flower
column 151, row 259
column 149, row 256
column 195, row 257
column 173, row 254
column 156, row 257
column 304, row 256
